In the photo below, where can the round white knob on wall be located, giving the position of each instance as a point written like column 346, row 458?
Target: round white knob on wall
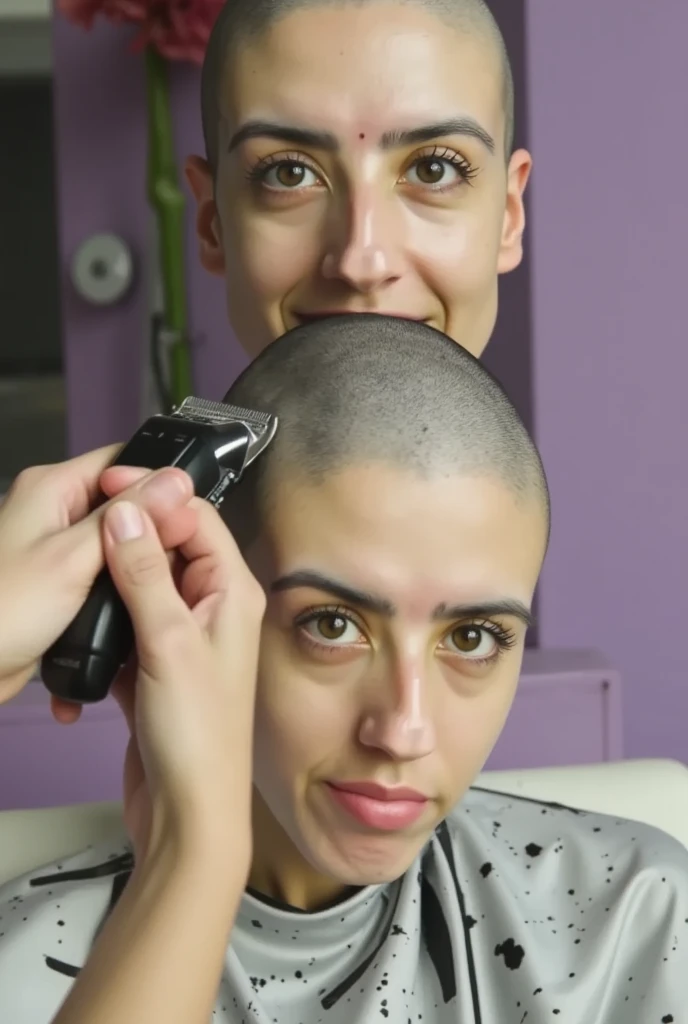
column 102, row 269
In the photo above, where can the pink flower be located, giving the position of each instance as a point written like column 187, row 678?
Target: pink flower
column 177, row 29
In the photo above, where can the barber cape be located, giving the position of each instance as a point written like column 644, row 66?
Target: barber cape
column 516, row 912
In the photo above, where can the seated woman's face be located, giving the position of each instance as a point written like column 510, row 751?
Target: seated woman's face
column 391, row 649
column 362, row 169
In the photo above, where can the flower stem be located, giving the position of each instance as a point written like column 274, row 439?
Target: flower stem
column 168, row 201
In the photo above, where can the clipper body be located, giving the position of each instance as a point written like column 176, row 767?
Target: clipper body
column 214, row 443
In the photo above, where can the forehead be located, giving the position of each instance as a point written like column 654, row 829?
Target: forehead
column 403, row 535
column 364, row 68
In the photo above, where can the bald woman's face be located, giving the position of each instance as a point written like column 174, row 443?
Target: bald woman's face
column 362, row 168
column 390, row 653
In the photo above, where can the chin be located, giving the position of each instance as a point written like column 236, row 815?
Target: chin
column 365, row 860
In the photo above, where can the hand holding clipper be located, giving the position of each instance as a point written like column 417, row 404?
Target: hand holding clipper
column 213, row 443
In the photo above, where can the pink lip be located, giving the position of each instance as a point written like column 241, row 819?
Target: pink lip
column 375, row 791
column 376, row 807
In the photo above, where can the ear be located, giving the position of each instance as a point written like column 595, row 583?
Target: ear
column 511, row 248
column 199, row 176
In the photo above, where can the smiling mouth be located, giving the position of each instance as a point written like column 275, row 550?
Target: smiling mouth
column 306, row 318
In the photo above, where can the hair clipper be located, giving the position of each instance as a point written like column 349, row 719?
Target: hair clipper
column 214, row 443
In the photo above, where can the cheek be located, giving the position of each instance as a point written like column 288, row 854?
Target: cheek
column 469, row 728
column 458, row 261
column 269, row 255
column 299, row 724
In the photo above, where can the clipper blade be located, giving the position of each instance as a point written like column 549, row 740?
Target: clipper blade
column 218, row 413
column 262, row 426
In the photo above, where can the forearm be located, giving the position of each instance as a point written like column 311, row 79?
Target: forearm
column 160, row 955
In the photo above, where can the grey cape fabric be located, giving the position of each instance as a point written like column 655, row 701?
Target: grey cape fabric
column 516, row 912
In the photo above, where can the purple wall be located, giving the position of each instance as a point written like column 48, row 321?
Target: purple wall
column 609, row 223
column 101, row 153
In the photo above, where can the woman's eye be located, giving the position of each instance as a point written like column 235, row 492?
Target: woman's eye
column 472, row 642
column 331, row 628
column 289, row 175
column 433, row 171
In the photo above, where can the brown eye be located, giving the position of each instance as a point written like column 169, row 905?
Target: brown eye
column 290, row 175
column 436, row 171
column 431, row 171
column 467, row 639
column 286, row 175
column 332, row 627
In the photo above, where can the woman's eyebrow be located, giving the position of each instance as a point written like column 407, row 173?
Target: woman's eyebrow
column 318, row 581
column 486, row 610
column 284, row 133
column 426, row 133
column 381, row 606
column 390, row 140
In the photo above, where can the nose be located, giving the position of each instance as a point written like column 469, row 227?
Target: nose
column 399, row 721
column 365, row 251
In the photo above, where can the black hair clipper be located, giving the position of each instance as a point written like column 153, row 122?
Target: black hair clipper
column 214, row 443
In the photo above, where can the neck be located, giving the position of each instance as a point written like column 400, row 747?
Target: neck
column 280, row 872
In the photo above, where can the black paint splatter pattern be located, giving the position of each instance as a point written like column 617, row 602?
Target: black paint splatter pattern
column 516, row 910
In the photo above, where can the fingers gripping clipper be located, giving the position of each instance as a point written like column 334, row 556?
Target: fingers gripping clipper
column 214, row 443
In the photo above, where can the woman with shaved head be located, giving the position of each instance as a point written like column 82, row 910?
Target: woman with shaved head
column 359, row 159
column 305, row 845
column 396, row 526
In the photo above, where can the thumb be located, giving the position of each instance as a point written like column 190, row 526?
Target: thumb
column 140, row 569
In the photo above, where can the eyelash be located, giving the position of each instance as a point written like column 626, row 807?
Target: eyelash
column 504, row 638
column 466, row 169
column 256, row 174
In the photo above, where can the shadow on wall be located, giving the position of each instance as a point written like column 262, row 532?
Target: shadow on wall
column 509, row 354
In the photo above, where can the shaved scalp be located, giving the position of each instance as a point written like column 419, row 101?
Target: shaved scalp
column 242, row 21
column 364, row 388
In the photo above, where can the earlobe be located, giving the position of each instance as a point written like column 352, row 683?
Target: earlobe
column 511, row 249
column 199, row 177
